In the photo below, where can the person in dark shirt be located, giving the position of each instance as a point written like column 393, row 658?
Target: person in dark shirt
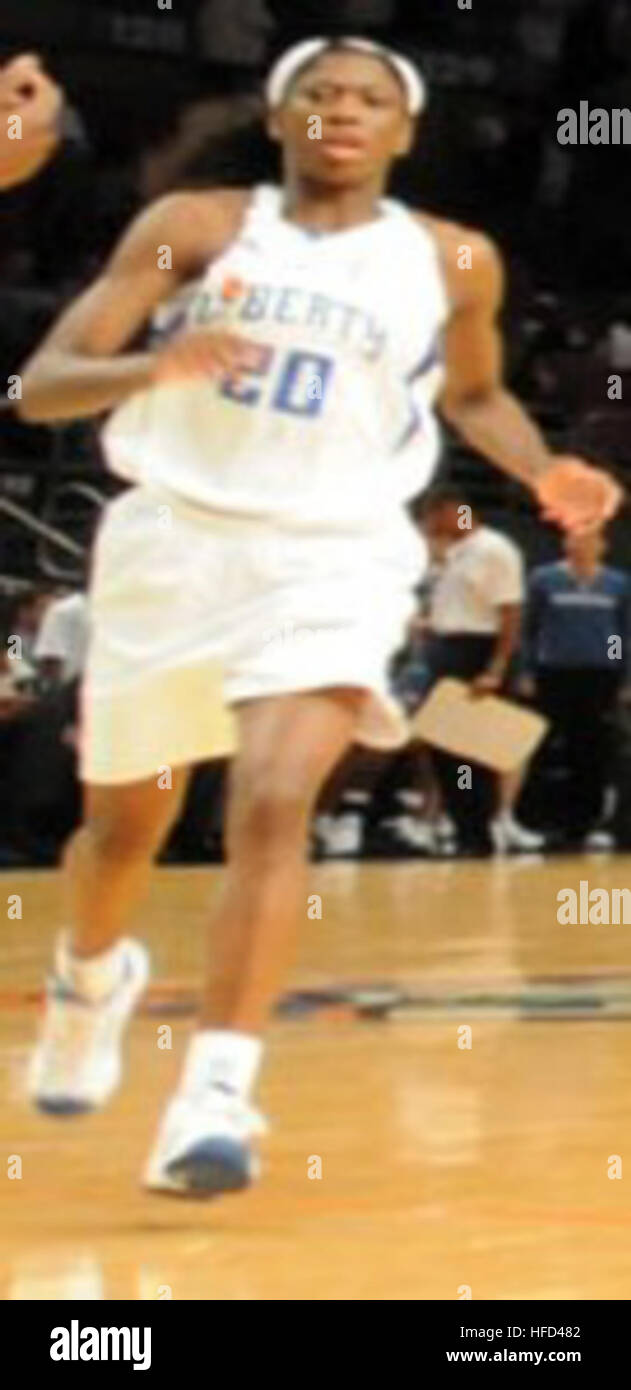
column 46, row 223
column 52, row 228
column 578, row 643
column 46, row 181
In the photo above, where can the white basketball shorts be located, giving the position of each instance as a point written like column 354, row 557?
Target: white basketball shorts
column 193, row 611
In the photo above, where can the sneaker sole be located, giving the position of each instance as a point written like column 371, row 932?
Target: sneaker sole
column 62, row 1107
column 208, row 1169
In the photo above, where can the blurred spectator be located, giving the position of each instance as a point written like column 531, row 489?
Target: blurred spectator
column 25, row 618
column 48, row 230
column 16, row 702
column 578, row 644
column 372, row 803
column 14, row 683
column 43, row 651
column 43, row 794
column 194, row 151
column 62, row 641
column 54, row 224
column 234, row 34
column 474, row 619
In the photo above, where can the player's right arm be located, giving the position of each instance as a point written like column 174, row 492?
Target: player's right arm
column 81, row 368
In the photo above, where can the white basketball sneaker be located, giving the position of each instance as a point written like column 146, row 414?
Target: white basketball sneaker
column 507, row 834
column 339, row 837
column 76, row 1065
column 204, row 1145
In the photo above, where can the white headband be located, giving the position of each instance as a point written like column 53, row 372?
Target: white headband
column 280, row 76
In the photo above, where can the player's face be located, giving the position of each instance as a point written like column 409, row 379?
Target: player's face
column 364, row 120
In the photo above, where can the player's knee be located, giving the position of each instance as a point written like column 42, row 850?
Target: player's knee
column 272, row 808
column 117, row 838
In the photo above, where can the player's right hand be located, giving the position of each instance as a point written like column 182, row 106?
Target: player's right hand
column 212, row 352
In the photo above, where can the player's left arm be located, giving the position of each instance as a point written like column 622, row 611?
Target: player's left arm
column 476, row 402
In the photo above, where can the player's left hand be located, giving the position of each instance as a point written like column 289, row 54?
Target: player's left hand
column 576, row 496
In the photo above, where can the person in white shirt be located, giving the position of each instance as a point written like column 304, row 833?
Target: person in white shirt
column 475, row 621
column 62, row 641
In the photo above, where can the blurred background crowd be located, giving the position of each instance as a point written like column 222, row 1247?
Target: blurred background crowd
column 507, row 605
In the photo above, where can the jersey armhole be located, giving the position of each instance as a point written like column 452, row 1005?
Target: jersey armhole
column 435, row 252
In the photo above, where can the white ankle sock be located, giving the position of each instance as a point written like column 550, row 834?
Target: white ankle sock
column 93, row 977
column 220, row 1057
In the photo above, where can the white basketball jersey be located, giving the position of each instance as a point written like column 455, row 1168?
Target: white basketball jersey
column 336, row 426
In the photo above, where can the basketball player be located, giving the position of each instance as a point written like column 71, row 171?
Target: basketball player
column 273, row 438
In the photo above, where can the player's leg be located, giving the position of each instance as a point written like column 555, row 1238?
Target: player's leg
column 287, row 747
column 98, row 974
column 108, row 860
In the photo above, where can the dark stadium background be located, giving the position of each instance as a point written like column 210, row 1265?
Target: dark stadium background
column 162, row 98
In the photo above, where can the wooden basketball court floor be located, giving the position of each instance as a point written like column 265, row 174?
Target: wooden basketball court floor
column 444, row 1169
